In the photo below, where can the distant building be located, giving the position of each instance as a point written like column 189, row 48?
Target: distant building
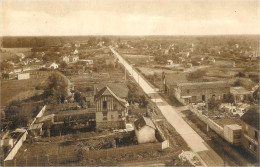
column 145, row 130
column 250, row 132
column 169, row 62
column 111, row 110
column 76, row 51
column 52, row 66
column 119, row 89
column 22, row 76
column 198, row 91
column 66, row 59
column 240, row 94
column 73, row 59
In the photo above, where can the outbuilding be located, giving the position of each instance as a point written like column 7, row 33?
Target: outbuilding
column 145, row 130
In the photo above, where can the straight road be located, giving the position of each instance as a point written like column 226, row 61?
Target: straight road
column 194, row 141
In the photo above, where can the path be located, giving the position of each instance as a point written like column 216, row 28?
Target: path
column 194, row 141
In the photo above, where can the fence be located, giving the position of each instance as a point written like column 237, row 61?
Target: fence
column 214, row 126
column 62, row 157
column 19, row 143
column 15, row 149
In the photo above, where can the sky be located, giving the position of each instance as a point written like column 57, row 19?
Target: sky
column 125, row 17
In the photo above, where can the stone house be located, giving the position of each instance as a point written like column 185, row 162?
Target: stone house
column 111, row 110
column 240, row 94
column 250, row 132
column 199, row 91
column 145, row 130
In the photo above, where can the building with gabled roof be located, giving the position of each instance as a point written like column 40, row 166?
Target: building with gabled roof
column 111, row 110
column 250, row 139
column 145, row 130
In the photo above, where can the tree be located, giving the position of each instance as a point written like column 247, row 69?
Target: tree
column 18, row 116
column 240, row 74
column 196, row 75
column 92, row 41
column 256, row 94
column 58, row 88
column 229, row 99
column 213, row 104
column 63, row 65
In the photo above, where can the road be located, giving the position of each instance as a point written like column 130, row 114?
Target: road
column 194, row 141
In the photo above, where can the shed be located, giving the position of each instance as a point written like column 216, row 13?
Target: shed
column 145, row 130
column 232, row 133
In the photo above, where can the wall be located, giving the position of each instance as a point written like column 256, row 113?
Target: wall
column 23, row 76
column 15, row 149
column 145, row 135
column 209, row 92
column 249, row 136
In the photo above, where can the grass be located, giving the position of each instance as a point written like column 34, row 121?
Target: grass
column 20, row 89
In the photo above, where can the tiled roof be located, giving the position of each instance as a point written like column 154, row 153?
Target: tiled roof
column 252, row 118
column 197, row 85
column 143, row 121
column 120, row 89
column 107, row 91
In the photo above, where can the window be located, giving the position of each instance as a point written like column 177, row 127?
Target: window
column 256, row 135
column 188, row 91
column 255, row 148
column 104, row 115
column 203, row 97
column 246, row 129
column 224, row 96
column 104, row 104
column 250, row 145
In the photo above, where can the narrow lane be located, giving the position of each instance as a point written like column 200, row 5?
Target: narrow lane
column 194, row 141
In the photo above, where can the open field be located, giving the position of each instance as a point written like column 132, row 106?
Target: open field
column 20, row 89
column 10, row 52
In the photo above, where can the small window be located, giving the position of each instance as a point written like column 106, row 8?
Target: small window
column 246, row 129
column 224, row 96
column 250, row 145
column 104, row 115
column 104, row 104
column 256, row 135
column 188, row 91
column 255, row 148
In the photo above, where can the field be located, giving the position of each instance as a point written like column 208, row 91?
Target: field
column 10, row 52
column 21, row 89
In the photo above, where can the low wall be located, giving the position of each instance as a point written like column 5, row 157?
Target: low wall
column 15, row 149
column 214, row 126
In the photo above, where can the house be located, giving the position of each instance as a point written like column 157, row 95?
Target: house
column 189, row 92
column 76, row 51
column 111, row 110
column 22, row 76
column 66, row 59
column 119, row 89
column 169, row 62
column 250, row 132
column 52, row 65
column 73, row 59
column 35, row 129
column 145, row 130
column 240, row 94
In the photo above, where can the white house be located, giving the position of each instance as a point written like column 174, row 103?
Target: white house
column 73, row 59
column 22, row 76
column 66, row 59
column 145, row 130
column 52, row 66
column 169, row 62
column 76, row 51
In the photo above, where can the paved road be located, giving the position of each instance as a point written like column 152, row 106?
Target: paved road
column 194, row 141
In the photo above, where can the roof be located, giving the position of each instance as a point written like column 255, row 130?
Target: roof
column 204, row 85
column 234, row 126
column 44, row 118
column 252, row 118
column 120, row 89
column 143, row 121
column 107, row 91
column 239, row 91
column 36, row 126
